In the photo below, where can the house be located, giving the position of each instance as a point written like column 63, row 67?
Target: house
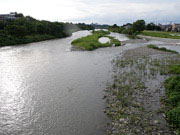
column 166, row 27
column 127, row 26
column 176, row 27
column 10, row 16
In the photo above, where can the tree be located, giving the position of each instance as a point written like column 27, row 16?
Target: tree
column 115, row 26
column 29, row 18
column 19, row 15
column 16, row 30
column 30, row 27
column 158, row 28
column 41, row 29
column 2, row 25
column 151, row 26
column 20, row 21
column 138, row 26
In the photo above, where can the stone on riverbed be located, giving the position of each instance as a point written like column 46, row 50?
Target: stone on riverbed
column 104, row 40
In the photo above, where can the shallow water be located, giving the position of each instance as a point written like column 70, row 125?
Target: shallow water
column 120, row 37
column 46, row 89
column 172, row 47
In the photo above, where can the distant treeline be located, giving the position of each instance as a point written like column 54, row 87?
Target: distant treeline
column 27, row 30
column 135, row 28
column 99, row 26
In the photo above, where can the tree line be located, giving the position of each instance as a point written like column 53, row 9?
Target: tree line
column 26, row 29
column 134, row 28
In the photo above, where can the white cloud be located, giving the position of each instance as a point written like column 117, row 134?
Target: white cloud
column 102, row 11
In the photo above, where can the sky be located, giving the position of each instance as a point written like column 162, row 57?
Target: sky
column 96, row 11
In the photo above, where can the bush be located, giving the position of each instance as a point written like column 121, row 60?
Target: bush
column 174, row 116
column 161, row 49
column 172, row 85
column 16, row 30
column 174, row 69
column 174, row 99
column 153, row 46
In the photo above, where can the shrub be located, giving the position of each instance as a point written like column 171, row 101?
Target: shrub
column 16, row 30
column 153, row 46
column 173, row 100
column 173, row 84
column 174, row 69
column 161, row 49
column 174, row 116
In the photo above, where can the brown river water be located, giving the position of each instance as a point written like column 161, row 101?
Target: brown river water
column 47, row 89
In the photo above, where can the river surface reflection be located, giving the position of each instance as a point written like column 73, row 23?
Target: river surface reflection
column 46, row 89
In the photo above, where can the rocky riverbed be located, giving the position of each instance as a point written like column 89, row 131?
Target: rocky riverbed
column 133, row 99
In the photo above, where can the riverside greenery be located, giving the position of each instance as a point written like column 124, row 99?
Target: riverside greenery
column 27, row 29
column 133, row 30
column 172, row 100
column 91, row 42
column 161, row 48
column 161, row 34
column 140, row 27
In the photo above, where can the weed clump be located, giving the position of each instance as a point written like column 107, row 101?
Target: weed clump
column 161, row 49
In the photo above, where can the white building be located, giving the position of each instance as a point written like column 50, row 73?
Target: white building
column 10, row 16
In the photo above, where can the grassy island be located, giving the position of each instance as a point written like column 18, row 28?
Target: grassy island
column 91, row 42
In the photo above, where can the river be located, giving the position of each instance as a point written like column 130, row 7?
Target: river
column 47, row 89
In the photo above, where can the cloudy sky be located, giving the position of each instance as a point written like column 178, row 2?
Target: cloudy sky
column 96, row 11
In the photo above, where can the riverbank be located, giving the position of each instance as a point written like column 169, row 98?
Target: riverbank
column 26, row 29
column 161, row 49
column 8, row 41
column 161, row 34
column 133, row 99
column 91, row 42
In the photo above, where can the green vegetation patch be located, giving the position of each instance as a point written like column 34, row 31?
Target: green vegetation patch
column 27, row 29
column 133, row 30
column 114, row 41
column 91, row 42
column 161, row 49
column 161, row 34
column 174, row 69
column 173, row 100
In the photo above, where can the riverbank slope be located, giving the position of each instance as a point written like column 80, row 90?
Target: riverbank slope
column 133, row 99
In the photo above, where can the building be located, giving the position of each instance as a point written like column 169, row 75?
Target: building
column 127, row 26
column 166, row 27
column 10, row 16
column 176, row 27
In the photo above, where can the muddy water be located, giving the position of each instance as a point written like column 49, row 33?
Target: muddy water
column 46, row 89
